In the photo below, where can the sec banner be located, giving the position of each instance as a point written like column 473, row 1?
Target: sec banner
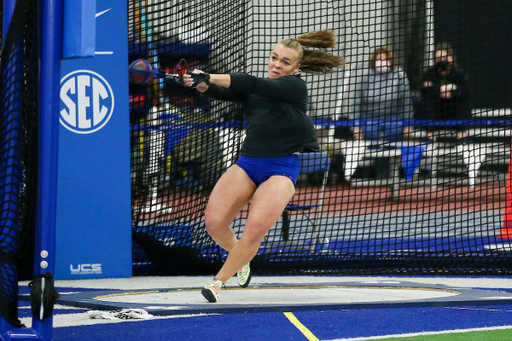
column 88, row 99
column 93, row 233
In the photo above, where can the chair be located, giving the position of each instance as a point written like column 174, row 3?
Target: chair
column 358, row 153
column 471, row 155
column 309, row 163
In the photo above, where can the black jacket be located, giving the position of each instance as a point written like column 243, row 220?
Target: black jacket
column 277, row 124
column 437, row 108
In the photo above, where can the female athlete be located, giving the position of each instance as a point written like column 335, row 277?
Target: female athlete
column 277, row 129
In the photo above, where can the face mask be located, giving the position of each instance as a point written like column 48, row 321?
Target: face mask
column 442, row 65
column 382, row 66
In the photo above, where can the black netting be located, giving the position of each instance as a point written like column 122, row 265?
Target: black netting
column 418, row 141
column 19, row 70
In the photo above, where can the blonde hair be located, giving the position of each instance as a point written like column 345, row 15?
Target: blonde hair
column 390, row 57
column 315, row 61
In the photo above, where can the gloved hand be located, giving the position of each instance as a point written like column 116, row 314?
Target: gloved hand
column 199, row 78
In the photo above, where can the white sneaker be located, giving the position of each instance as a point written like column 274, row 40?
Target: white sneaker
column 212, row 290
column 129, row 314
column 101, row 315
column 122, row 314
column 244, row 275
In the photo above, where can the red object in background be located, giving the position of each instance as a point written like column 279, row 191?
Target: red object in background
column 507, row 222
column 137, row 101
column 180, row 68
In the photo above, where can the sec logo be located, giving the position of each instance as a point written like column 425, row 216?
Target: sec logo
column 87, row 101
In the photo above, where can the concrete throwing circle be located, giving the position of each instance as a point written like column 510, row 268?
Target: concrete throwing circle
column 283, row 295
column 273, row 297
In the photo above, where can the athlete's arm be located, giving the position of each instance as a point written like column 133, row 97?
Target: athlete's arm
column 286, row 88
column 222, row 93
column 216, row 86
column 222, row 80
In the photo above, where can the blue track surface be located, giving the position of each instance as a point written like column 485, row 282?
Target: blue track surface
column 325, row 325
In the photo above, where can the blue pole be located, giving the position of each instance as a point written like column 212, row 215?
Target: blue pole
column 51, row 54
column 49, row 93
column 51, row 51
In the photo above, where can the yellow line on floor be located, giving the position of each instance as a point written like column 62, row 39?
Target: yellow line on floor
column 307, row 333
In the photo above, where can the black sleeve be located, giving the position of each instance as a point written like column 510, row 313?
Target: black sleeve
column 219, row 92
column 462, row 84
column 286, row 88
column 426, row 108
column 430, row 91
column 427, row 76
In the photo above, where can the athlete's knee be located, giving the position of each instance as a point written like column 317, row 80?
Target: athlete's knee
column 255, row 232
column 214, row 223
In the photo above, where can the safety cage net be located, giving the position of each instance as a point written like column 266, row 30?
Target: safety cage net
column 19, row 91
column 414, row 134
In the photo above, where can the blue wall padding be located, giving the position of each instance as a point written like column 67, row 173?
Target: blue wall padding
column 79, row 38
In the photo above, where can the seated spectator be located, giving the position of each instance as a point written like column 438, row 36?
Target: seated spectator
column 382, row 100
column 445, row 92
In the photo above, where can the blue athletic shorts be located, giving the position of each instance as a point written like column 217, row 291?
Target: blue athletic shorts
column 260, row 169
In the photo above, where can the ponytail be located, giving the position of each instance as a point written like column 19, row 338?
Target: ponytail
column 315, row 61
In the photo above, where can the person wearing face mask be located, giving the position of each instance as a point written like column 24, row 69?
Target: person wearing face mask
column 445, row 91
column 382, row 100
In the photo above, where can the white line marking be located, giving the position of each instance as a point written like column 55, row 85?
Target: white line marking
column 82, row 319
column 425, row 333
column 104, row 52
column 56, row 306
column 496, row 298
column 70, row 292
column 165, row 308
column 101, row 13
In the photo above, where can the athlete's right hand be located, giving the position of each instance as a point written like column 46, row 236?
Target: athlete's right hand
column 197, row 79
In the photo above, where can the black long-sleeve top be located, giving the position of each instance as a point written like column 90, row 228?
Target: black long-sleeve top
column 277, row 124
column 456, row 107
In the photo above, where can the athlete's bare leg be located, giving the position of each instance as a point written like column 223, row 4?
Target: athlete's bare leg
column 267, row 205
column 231, row 193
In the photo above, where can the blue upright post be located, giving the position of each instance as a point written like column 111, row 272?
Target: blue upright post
column 51, row 53
column 50, row 73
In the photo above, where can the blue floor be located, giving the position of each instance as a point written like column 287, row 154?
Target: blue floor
column 324, row 325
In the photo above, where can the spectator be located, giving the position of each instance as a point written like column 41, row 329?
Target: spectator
column 445, row 91
column 382, row 100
